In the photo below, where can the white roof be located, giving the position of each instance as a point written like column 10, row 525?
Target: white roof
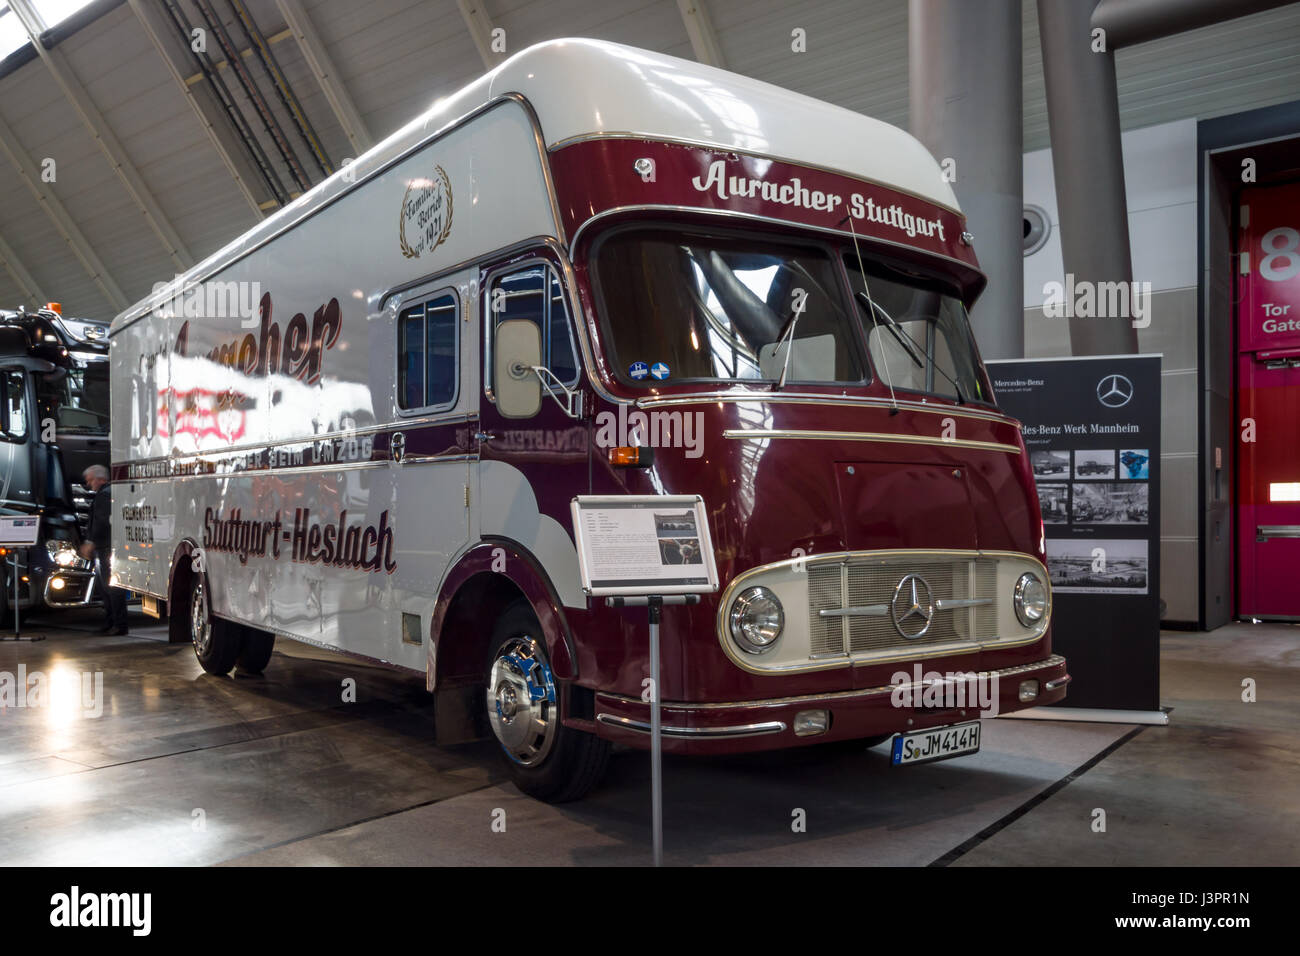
column 582, row 87
column 579, row 87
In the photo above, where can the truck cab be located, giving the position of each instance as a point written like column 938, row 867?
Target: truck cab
column 33, row 476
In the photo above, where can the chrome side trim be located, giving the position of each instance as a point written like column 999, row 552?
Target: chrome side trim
column 813, row 398
column 756, row 434
column 695, row 733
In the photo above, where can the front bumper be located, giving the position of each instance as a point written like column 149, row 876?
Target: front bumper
column 741, row 726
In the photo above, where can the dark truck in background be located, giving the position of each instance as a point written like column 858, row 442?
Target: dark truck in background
column 51, row 370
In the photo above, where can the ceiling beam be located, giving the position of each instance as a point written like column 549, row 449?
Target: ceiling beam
column 25, row 280
column 104, row 137
column 244, row 54
column 227, row 157
column 480, row 30
column 68, row 229
column 704, row 42
column 327, row 75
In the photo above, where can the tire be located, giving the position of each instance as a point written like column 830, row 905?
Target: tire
column 216, row 642
column 546, row 760
column 255, row 653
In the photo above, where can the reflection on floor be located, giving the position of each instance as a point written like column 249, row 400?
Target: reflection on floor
column 184, row 768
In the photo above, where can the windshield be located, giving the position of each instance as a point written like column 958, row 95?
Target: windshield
column 918, row 333
column 77, row 400
column 694, row 308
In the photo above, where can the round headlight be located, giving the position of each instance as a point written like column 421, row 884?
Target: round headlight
column 756, row 620
column 1031, row 599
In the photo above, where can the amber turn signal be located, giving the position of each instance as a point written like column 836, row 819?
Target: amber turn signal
column 631, row 456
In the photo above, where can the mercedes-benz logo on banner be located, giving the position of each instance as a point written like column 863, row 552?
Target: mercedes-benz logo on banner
column 912, row 607
column 1114, row 391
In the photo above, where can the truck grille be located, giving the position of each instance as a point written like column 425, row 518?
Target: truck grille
column 870, row 583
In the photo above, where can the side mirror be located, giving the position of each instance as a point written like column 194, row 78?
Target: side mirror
column 518, row 348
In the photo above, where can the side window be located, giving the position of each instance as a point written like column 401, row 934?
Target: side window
column 535, row 293
column 14, row 421
column 426, row 353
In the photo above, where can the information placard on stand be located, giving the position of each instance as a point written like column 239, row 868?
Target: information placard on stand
column 646, row 551
column 19, row 531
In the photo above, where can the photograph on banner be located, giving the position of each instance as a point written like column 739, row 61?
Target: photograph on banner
column 1098, row 565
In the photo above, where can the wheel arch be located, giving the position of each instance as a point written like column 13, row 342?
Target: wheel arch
column 476, row 590
column 179, row 575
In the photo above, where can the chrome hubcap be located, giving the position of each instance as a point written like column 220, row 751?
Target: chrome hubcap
column 521, row 701
column 200, row 626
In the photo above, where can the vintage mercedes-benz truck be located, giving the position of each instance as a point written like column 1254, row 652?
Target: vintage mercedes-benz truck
column 600, row 271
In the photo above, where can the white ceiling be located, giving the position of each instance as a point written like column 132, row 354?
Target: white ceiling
column 395, row 57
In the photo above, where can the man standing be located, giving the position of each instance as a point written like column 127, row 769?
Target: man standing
column 100, row 544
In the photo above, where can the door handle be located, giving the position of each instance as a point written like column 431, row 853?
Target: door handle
column 1265, row 531
column 483, row 436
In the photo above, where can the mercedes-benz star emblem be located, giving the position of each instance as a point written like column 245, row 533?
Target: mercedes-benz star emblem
column 1114, row 391
column 912, row 607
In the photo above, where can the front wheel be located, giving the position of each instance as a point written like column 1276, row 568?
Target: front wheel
column 216, row 642
column 546, row 760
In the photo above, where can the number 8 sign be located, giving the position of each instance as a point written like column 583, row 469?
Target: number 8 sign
column 1270, row 268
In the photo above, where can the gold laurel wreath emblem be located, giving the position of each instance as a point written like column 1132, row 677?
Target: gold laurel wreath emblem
column 407, row 251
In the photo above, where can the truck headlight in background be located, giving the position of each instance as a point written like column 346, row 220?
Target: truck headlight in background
column 756, row 620
column 62, row 553
column 1030, row 599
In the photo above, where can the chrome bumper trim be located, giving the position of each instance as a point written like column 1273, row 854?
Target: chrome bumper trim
column 1056, row 660
column 1059, row 682
column 743, row 730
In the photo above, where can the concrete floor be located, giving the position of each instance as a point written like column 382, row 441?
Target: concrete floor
column 184, row 768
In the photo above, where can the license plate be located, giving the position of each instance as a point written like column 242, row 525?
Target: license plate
column 939, row 743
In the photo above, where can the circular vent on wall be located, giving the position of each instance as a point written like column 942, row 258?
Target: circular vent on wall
column 1036, row 229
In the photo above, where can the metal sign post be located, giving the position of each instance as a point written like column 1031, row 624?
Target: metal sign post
column 655, row 603
column 646, row 551
column 19, row 532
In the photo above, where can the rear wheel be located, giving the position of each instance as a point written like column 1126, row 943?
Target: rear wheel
column 255, row 653
column 546, row 760
column 216, row 642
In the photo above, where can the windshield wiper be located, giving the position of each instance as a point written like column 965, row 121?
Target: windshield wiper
column 909, row 344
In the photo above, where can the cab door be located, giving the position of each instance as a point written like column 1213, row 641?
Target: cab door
column 530, row 468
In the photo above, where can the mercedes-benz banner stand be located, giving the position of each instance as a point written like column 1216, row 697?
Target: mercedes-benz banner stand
column 18, row 532
column 646, row 551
